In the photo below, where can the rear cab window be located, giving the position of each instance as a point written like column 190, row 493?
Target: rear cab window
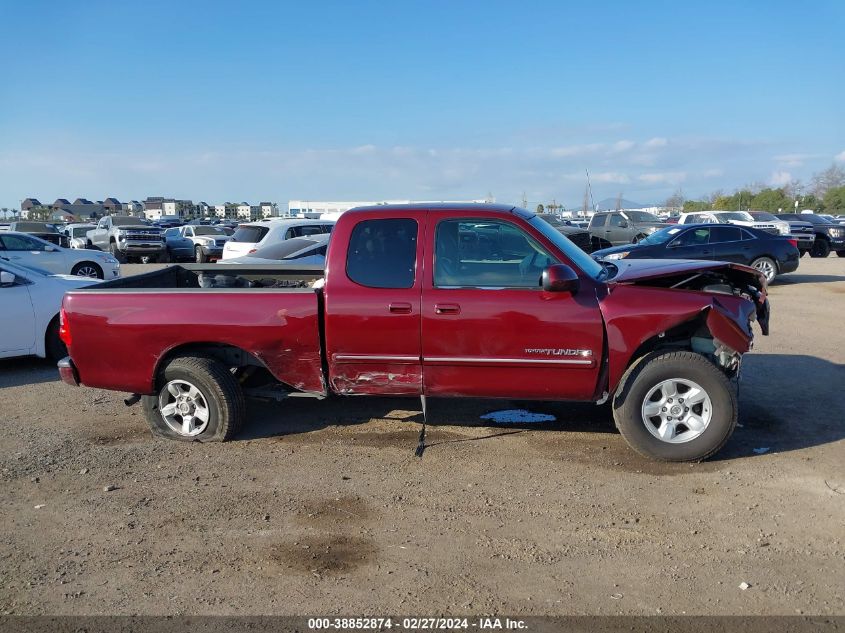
column 382, row 253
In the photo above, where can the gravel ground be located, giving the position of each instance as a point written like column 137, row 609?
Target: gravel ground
column 321, row 507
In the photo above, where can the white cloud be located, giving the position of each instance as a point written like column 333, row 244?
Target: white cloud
column 713, row 173
column 840, row 156
column 654, row 143
column 621, row 146
column 664, row 177
column 780, row 178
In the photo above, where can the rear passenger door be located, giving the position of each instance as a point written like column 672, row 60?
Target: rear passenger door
column 372, row 306
column 618, row 229
column 728, row 245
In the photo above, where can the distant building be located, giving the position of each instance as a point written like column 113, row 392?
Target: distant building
column 29, row 203
column 268, row 209
column 112, row 205
column 155, row 207
column 60, row 202
column 133, row 207
column 314, row 209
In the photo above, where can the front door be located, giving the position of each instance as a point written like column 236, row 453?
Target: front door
column 693, row 243
column 618, row 231
column 372, row 306
column 17, row 336
column 28, row 251
column 489, row 330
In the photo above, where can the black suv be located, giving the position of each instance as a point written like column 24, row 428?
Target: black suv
column 614, row 228
column 829, row 236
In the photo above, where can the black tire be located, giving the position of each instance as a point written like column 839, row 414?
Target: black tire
column 165, row 257
column 220, row 392
column 90, row 244
column 802, row 252
column 95, row 268
column 116, row 253
column 821, row 248
column 644, row 375
column 840, row 253
column 54, row 345
column 199, row 256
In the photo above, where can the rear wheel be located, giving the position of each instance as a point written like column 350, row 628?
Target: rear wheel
column 53, row 344
column 767, row 266
column 675, row 407
column 87, row 269
column 197, row 399
column 821, row 248
column 199, row 256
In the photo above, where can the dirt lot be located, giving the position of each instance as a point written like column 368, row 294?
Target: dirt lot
column 322, row 508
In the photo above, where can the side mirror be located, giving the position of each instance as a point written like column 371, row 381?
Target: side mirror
column 560, row 278
column 6, row 279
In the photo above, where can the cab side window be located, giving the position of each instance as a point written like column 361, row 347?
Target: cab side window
column 487, row 254
column 383, row 253
column 597, row 221
column 725, row 233
column 616, row 220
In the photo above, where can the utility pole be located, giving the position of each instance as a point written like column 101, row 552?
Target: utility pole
column 524, row 201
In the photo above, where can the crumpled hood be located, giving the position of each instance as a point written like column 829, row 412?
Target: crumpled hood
column 632, row 270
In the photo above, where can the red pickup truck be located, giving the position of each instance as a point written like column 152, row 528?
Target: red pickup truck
column 473, row 300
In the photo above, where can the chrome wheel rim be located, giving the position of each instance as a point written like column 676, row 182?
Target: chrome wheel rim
column 766, row 267
column 87, row 271
column 183, row 408
column 677, row 411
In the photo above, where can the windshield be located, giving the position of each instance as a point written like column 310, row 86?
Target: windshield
column 128, row 221
column 763, row 215
column 739, row 216
column 578, row 257
column 812, row 218
column 207, row 230
column 642, row 216
column 662, row 236
column 250, row 233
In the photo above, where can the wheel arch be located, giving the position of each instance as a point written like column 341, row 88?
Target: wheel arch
column 229, row 355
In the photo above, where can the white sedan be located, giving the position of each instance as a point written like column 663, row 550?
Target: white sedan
column 31, row 300
column 309, row 250
column 28, row 250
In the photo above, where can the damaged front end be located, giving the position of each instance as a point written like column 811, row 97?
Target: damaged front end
column 706, row 307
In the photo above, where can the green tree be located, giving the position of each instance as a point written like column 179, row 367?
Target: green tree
column 692, row 206
column 834, row 200
column 540, row 208
column 772, row 200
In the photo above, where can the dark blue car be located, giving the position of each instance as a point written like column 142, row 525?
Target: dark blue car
column 771, row 254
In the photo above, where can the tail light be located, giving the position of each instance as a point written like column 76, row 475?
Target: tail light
column 252, row 251
column 793, row 242
column 64, row 328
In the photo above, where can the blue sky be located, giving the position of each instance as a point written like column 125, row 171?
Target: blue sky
column 423, row 100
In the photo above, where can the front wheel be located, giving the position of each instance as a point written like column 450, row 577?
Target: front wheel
column 87, row 269
column 197, row 399
column 821, row 248
column 200, row 255
column 767, row 266
column 116, row 253
column 675, row 407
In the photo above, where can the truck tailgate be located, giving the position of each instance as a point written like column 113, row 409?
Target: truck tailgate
column 119, row 337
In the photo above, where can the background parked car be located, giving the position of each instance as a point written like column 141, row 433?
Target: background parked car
column 740, row 218
column 42, row 230
column 201, row 243
column 829, row 236
column 126, row 238
column 801, row 231
column 770, row 254
column 250, row 237
column 28, row 250
column 309, row 251
column 577, row 235
column 78, row 234
column 622, row 227
column 29, row 320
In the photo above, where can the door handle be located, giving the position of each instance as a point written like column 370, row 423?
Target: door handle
column 399, row 308
column 447, row 308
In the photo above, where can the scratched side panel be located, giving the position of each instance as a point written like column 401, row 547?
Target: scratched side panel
column 118, row 338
